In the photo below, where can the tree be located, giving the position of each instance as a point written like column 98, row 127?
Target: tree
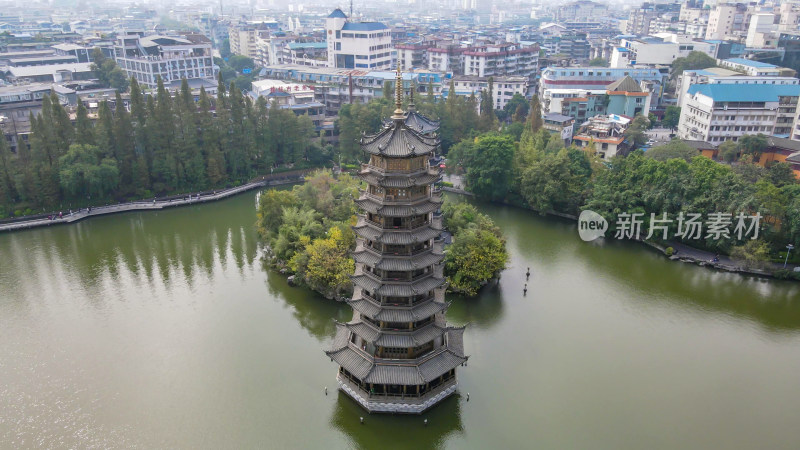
column 673, row 149
column 752, row 144
column 598, row 62
column 781, row 174
column 7, row 190
column 752, row 255
column 84, row 171
column 516, row 108
column 326, row 264
column 271, row 204
column 489, row 166
column 476, row 256
column 488, row 119
column 84, row 133
column 728, row 151
column 239, row 63
column 636, row 130
column 672, row 116
column 225, row 48
column 535, row 121
column 693, row 61
column 107, row 71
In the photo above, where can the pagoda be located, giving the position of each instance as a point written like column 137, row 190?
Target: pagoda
column 398, row 354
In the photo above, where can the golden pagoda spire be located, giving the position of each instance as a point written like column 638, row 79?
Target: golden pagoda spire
column 399, row 114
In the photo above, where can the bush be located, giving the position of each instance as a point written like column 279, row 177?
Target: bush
column 786, row 274
column 782, row 274
column 669, row 251
column 446, row 184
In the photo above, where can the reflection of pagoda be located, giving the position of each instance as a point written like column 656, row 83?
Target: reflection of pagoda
column 398, row 354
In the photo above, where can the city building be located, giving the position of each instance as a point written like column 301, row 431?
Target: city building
column 560, row 125
column 398, row 354
column 627, row 98
column 503, row 88
column 781, row 150
column 656, row 51
column 299, row 98
column 50, row 73
column 336, row 87
column 750, row 67
column 581, row 11
column 762, row 32
column 313, row 54
column 604, row 134
column 717, row 112
column 725, row 19
column 504, row 59
column 597, row 78
column 171, row 58
column 718, row 75
column 366, row 45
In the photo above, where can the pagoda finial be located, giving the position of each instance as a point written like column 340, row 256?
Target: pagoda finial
column 398, row 95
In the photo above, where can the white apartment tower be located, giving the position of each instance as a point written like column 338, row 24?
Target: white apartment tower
column 721, row 22
column 357, row 45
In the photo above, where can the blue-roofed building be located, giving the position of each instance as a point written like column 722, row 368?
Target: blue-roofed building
column 717, row 112
column 314, row 54
column 358, row 45
column 752, row 68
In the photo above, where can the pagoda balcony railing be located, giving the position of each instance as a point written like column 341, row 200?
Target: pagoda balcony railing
column 377, row 302
column 411, row 253
column 379, row 278
column 395, row 199
column 415, row 226
column 429, row 170
column 407, row 398
column 375, row 327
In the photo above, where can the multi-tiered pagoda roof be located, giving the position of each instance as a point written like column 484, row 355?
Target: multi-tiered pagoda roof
column 398, row 354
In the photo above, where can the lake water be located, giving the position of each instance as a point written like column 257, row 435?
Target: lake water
column 164, row 329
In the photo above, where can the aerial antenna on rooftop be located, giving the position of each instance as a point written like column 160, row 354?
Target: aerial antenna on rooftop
column 351, row 9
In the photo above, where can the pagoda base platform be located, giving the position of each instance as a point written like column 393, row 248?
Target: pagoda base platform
column 395, row 404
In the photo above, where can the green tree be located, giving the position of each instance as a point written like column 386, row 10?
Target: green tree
column 84, row 132
column 107, row 71
column 636, row 130
column 672, row 116
column 535, row 121
column 489, row 165
column 326, row 264
column 475, row 257
column 516, row 108
column 673, row 149
column 693, row 61
column 754, row 254
column 728, row 151
column 85, row 172
column 598, row 62
column 781, row 174
column 752, row 144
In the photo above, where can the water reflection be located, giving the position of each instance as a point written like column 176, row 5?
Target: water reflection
column 773, row 304
column 160, row 247
column 388, row 431
column 552, row 246
column 313, row 312
column 482, row 311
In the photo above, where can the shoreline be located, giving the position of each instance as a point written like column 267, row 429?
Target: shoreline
column 155, row 205
column 702, row 258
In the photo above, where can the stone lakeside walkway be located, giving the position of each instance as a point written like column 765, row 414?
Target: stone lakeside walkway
column 187, row 199
column 691, row 254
